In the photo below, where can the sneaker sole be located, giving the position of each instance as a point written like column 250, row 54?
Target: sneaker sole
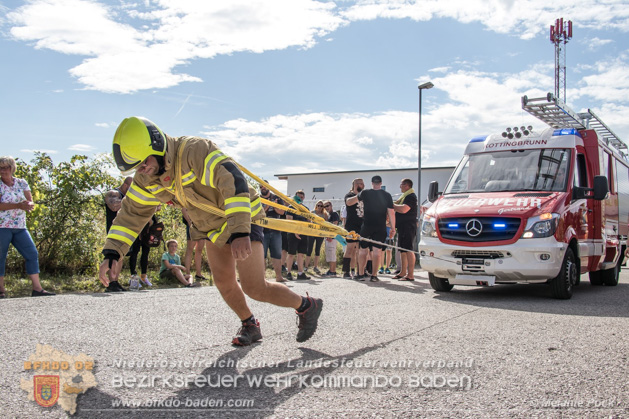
column 317, row 312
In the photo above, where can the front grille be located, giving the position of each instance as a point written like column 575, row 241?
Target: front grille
column 481, row 254
column 491, row 228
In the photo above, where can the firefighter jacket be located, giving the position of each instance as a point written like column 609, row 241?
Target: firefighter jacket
column 208, row 176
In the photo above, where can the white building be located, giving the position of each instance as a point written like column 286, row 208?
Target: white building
column 333, row 186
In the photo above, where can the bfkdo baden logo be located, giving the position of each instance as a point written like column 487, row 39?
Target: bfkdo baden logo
column 46, row 389
column 59, row 378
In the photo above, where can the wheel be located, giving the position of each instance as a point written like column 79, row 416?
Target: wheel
column 610, row 276
column 595, row 278
column 563, row 283
column 439, row 284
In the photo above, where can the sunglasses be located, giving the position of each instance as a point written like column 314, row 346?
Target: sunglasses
column 327, row 206
column 319, row 205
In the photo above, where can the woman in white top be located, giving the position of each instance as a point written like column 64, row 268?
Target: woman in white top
column 15, row 201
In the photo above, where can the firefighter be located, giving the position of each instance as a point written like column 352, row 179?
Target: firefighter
column 192, row 172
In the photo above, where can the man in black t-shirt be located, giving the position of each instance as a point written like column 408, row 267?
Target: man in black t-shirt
column 273, row 238
column 377, row 203
column 406, row 221
column 353, row 222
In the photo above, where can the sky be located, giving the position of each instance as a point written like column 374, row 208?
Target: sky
column 301, row 86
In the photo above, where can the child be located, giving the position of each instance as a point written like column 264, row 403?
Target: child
column 171, row 265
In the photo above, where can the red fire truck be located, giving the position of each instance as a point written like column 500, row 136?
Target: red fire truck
column 532, row 207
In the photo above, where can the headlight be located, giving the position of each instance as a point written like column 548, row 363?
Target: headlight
column 428, row 226
column 541, row 226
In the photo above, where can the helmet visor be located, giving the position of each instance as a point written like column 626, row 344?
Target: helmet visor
column 125, row 164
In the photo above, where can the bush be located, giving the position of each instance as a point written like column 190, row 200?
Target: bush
column 68, row 222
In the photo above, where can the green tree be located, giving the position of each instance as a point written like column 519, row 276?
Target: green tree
column 67, row 223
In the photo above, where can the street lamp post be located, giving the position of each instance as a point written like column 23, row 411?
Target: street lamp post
column 427, row 85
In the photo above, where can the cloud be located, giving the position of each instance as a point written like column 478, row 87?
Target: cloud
column 525, row 18
column 39, row 150
column 132, row 49
column 102, row 124
column 81, row 147
column 139, row 46
column 478, row 103
column 594, row 43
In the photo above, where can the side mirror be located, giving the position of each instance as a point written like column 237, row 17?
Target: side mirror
column 433, row 191
column 601, row 188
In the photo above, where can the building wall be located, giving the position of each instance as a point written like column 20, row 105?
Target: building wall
column 337, row 184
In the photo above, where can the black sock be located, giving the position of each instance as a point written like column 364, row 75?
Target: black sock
column 346, row 262
column 249, row 319
column 305, row 304
column 369, row 266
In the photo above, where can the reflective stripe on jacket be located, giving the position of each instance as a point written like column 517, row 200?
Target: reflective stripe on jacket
column 208, row 177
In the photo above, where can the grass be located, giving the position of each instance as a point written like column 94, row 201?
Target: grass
column 18, row 286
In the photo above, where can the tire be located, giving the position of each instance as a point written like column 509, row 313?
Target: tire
column 610, row 276
column 563, row 284
column 595, row 278
column 439, row 284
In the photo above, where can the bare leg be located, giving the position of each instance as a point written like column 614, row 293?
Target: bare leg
column 177, row 272
column 375, row 260
column 404, row 266
column 223, row 268
column 410, row 258
column 251, row 273
column 277, row 267
column 300, row 262
column 198, row 257
column 188, row 257
column 362, row 260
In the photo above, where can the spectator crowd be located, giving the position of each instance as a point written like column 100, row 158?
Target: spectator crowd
column 371, row 213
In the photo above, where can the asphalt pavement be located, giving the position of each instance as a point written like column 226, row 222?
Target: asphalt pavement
column 387, row 349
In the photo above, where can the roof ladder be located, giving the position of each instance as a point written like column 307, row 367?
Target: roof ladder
column 557, row 114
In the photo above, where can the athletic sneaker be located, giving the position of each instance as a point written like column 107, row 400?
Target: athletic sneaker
column 284, row 269
column 289, row 277
column 146, row 282
column 347, row 275
column 330, row 274
column 387, row 271
column 308, row 319
column 361, row 277
column 248, row 333
column 42, row 293
column 381, row 270
column 302, row 276
column 316, row 270
column 374, row 278
column 114, row 286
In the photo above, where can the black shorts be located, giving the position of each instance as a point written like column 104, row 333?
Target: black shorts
column 284, row 241
column 256, row 235
column 377, row 233
column 296, row 245
column 354, row 227
column 406, row 237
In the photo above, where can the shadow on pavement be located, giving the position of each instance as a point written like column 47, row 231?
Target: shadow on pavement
column 251, row 386
column 587, row 300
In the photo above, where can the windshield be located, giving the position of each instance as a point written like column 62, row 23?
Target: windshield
column 517, row 170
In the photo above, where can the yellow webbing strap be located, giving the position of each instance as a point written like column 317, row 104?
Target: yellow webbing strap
column 290, row 226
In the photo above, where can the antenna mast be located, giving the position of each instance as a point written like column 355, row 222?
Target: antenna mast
column 560, row 34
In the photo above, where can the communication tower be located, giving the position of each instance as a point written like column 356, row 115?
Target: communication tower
column 560, row 34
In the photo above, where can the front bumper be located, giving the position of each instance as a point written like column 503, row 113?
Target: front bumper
column 525, row 261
